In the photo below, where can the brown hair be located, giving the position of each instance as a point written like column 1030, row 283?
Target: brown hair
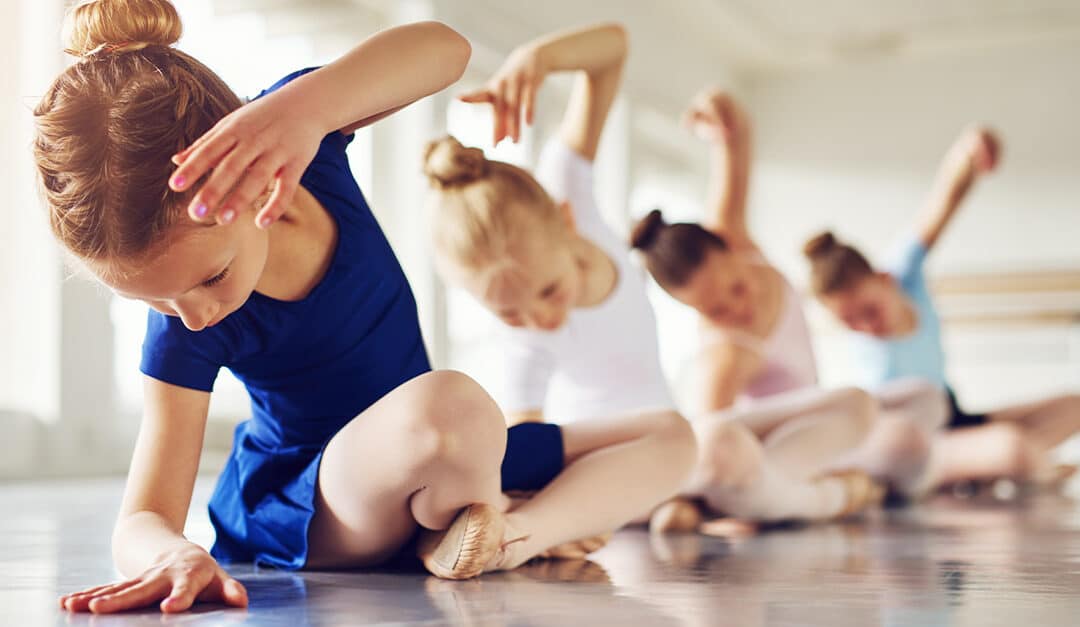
column 673, row 251
column 834, row 265
column 109, row 125
column 480, row 205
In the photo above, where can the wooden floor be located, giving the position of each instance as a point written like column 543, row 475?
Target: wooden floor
column 980, row 561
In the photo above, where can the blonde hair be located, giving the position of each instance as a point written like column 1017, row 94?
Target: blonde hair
column 834, row 266
column 479, row 206
column 108, row 126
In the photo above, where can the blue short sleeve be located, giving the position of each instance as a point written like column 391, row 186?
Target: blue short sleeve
column 173, row 354
column 907, row 260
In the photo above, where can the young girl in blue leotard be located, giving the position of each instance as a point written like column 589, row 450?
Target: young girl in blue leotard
column 355, row 446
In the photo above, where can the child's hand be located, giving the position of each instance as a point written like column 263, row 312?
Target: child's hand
column 715, row 116
column 177, row 581
column 511, row 92
column 978, row 151
column 267, row 143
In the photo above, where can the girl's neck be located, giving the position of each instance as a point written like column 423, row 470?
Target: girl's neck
column 301, row 247
column 598, row 273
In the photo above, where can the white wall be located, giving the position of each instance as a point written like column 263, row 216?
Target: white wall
column 856, row 149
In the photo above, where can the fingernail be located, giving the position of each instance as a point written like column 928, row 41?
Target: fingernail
column 227, row 216
column 265, row 221
column 179, row 181
column 200, row 210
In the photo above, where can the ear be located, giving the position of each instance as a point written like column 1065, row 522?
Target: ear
column 567, row 211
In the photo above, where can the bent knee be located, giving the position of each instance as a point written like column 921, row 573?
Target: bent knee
column 902, row 442
column 678, row 437
column 728, row 453
column 451, row 415
column 861, row 404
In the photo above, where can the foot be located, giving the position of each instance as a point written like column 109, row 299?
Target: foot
column 462, row 551
column 861, row 492
column 679, row 515
column 731, row 528
column 577, row 549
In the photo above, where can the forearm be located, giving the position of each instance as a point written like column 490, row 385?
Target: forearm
column 950, row 188
column 386, row 72
column 729, row 183
column 593, row 49
column 140, row 539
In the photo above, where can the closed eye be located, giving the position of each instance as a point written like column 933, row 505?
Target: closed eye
column 549, row 291
column 217, row 278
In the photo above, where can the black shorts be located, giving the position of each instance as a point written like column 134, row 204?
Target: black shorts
column 958, row 418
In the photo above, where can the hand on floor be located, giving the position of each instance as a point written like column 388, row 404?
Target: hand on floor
column 177, row 582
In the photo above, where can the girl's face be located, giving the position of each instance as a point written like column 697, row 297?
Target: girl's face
column 202, row 275
column 875, row 305
column 723, row 289
column 535, row 287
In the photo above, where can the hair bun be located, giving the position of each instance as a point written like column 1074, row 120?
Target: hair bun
column 820, row 245
column 447, row 163
column 647, row 229
column 94, row 24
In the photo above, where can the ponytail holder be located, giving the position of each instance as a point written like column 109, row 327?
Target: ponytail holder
column 111, row 48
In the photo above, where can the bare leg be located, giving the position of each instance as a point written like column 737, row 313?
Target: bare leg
column 1048, row 423
column 416, row 457
column 618, row 468
column 985, row 452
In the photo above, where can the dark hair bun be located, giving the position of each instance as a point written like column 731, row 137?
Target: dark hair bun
column 820, row 245
column 647, row 229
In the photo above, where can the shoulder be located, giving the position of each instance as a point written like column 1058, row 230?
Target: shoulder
column 167, row 334
column 563, row 172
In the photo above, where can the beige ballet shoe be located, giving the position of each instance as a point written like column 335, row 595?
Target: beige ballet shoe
column 679, row 515
column 576, row 550
column 861, row 492
column 730, row 528
column 462, row 551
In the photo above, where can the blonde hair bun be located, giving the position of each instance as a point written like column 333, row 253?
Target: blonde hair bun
column 95, row 24
column 447, row 163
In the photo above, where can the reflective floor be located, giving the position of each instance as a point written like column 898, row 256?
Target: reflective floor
column 955, row 561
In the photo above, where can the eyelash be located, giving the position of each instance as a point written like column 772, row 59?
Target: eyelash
column 212, row 281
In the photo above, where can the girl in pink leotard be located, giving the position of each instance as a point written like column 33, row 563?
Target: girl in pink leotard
column 770, row 439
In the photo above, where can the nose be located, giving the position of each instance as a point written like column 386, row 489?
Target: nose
column 548, row 322
column 195, row 315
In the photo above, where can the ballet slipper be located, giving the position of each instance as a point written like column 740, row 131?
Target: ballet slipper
column 679, row 515
column 463, row 550
column 730, row 528
column 577, row 549
column 861, row 492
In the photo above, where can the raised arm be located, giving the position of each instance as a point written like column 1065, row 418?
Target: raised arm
column 149, row 546
column 271, row 141
column 975, row 153
column 715, row 117
column 597, row 52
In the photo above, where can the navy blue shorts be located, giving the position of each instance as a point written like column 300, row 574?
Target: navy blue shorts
column 960, row 419
column 534, row 456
